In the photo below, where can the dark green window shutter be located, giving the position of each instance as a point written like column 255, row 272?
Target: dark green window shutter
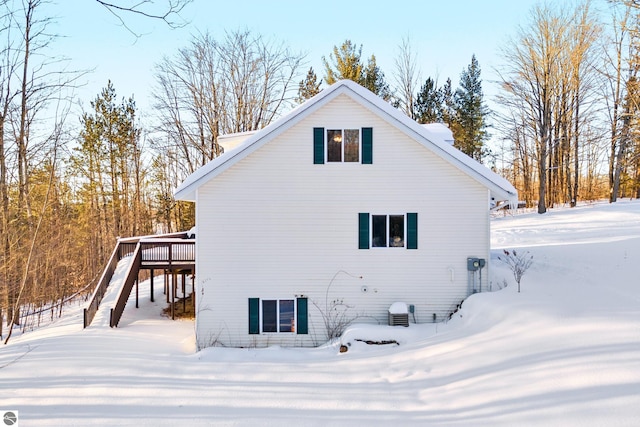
column 367, row 146
column 303, row 317
column 412, row 231
column 363, row 231
column 318, row 146
column 254, row 315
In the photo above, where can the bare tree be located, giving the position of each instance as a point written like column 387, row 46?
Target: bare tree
column 32, row 82
column 214, row 87
column 168, row 12
column 518, row 263
column 621, row 73
column 8, row 66
column 548, row 75
column 406, row 79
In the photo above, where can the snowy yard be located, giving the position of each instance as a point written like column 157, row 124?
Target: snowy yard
column 565, row 351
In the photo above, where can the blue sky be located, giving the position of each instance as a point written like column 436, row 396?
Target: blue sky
column 443, row 34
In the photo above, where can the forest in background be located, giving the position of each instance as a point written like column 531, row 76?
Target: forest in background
column 567, row 129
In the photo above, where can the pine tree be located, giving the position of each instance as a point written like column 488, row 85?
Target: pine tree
column 346, row 64
column 108, row 159
column 309, row 87
column 471, row 112
column 373, row 79
column 447, row 105
column 428, row 105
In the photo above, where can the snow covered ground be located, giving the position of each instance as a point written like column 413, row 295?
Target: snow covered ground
column 565, row 351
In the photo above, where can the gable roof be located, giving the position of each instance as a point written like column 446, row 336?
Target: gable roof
column 500, row 188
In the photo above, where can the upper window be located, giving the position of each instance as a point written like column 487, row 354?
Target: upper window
column 342, row 145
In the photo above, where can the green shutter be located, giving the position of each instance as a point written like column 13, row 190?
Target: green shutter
column 367, row 146
column 412, row 231
column 254, row 315
column 318, row 146
column 302, row 326
column 363, row 231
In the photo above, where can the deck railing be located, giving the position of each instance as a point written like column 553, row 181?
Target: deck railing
column 101, row 286
column 125, row 291
column 167, row 249
column 163, row 252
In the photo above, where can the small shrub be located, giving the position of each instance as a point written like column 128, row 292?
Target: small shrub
column 517, row 263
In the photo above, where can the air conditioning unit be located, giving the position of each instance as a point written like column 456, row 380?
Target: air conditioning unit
column 398, row 314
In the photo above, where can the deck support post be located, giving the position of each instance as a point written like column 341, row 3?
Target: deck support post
column 174, row 287
column 151, row 283
column 166, row 284
column 193, row 292
column 184, row 291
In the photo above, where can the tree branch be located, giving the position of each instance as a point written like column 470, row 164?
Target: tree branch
column 170, row 15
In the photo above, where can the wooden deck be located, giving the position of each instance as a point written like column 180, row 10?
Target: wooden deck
column 172, row 253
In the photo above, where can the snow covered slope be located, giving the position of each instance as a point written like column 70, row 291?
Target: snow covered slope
column 565, row 351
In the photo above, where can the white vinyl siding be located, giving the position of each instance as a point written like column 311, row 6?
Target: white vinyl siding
column 275, row 224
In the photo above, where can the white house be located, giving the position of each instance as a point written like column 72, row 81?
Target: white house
column 344, row 206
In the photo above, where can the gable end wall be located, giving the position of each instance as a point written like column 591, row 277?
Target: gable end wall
column 277, row 226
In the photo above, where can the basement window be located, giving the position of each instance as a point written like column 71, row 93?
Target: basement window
column 278, row 315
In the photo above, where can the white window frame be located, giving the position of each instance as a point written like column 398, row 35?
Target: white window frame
column 293, row 322
column 387, row 231
column 342, row 145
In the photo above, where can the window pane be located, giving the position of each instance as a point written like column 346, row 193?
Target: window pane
column 334, row 145
column 269, row 316
column 351, row 145
column 396, row 230
column 286, row 315
column 379, row 231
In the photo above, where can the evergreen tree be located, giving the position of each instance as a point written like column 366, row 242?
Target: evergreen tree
column 428, row 104
column 346, row 64
column 309, row 87
column 447, row 106
column 108, row 159
column 471, row 112
column 373, row 79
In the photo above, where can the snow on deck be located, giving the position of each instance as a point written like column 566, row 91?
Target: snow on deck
column 111, row 294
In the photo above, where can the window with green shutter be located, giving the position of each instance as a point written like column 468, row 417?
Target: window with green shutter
column 342, row 145
column 277, row 315
column 302, row 316
column 363, row 231
column 388, row 231
column 254, row 315
column 412, row 230
column 367, row 146
column 318, row 146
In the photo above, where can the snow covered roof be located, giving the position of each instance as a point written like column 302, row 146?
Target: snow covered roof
column 500, row 188
column 441, row 130
column 232, row 140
